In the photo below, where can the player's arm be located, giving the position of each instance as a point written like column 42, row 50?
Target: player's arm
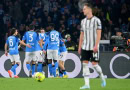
column 22, row 43
column 81, row 38
column 98, row 38
column 40, row 43
column 80, row 41
column 45, row 46
column 6, row 52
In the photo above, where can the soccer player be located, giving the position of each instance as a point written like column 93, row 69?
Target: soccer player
column 62, row 57
column 89, row 44
column 12, row 42
column 32, row 38
column 52, row 46
column 41, row 55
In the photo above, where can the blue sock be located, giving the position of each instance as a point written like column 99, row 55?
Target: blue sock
column 64, row 72
column 54, row 69
column 56, row 65
column 39, row 67
column 33, row 69
column 50, row 68
column 28, row 67
column 15, row 66
column 13, row 69
column 60, row 73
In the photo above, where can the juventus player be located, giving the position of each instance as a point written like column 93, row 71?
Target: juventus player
column 89, row 44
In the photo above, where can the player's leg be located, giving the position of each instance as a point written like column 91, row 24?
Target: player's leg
column 60, row 68
column 49, row 57
column 34, row 59
column 11, row 71
column 40, row 61
column 55, row 69
column 63, row 58
column 17, row 63
column 55, row 59
column 95, row 60
column 85, row 57
column 28, row 60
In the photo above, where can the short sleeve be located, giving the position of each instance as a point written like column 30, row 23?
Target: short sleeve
column 81, row 26
column 24, row 37
column 18, row 39
column 99, row 24
column 7, row 41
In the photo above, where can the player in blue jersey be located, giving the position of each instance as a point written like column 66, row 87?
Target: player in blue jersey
column 32, row 38
column 41, row 55
column 52, row 46
column 12, row 43
column 62, row 58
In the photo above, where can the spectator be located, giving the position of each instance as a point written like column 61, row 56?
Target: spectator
column 70, row 45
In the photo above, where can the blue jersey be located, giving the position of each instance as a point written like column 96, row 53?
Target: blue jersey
column 31, row 38
column 62, row 48
column 12, row 43
column 43, row 36
column 53, row 40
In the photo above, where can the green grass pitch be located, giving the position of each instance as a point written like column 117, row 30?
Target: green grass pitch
column 61, row 84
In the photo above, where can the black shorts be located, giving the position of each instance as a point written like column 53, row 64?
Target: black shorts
column 89, row 56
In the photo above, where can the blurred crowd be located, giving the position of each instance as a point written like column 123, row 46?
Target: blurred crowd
column 65, row 14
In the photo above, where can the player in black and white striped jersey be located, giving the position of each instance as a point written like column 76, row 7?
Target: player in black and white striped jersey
column 89, row 44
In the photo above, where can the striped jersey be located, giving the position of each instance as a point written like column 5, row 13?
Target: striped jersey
column 90, row 27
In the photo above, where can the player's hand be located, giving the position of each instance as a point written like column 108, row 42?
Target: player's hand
column 6, row 53
column 28, row 45
column 79, row 50
column 95, row 49
column 41, row 52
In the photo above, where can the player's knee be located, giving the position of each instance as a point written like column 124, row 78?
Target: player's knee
column 18, row 63
column 85, row 61
column 27, row 62
column 94, row 63
column 55, row 61
column 33, row 62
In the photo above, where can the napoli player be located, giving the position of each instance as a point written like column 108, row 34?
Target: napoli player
column 32, row 38
column 52, row 47
column 12, row 42
column 41, row 55
column 62, row 57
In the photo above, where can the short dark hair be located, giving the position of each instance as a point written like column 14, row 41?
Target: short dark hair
column 13, row 30
column 88, row 5
column 31, row 27
column 52, row 25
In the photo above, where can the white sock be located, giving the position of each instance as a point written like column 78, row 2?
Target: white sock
column 99, row 71
column 86, row 73
column 86, row 79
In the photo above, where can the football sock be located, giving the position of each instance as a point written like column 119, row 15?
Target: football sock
column 28, row 66
column 33, row 69
column 55, row 68
column 99, row 71
column 13, row 69
column 60, row 73
column 86, row 73
column 15, row 66
column 39, row 67
column 86, row 79
column 50, row 69
column 64, row 72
